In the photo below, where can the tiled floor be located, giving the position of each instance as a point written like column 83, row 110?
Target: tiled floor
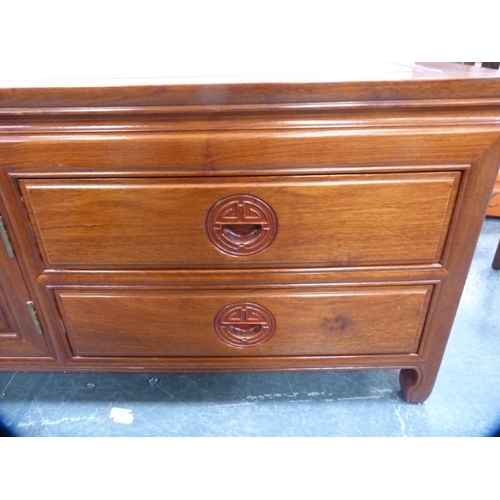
column 465, row 401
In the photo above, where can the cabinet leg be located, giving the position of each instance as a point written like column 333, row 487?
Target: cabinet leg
column 496, row 258
column 416, row 384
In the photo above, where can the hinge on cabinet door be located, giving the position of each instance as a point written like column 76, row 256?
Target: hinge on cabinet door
column 34, row 317
column 6, row 239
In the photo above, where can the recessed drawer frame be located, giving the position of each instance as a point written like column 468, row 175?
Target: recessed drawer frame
column 322, row 221
column 345, row 321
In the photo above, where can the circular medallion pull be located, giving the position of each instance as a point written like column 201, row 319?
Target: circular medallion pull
column 244, row 324
column 241, row 224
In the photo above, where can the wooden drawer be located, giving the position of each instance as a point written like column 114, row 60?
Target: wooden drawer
column 338, row 220
column 362, row 320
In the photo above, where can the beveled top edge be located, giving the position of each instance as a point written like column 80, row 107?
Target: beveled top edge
column 376, row 83
column 184, row 75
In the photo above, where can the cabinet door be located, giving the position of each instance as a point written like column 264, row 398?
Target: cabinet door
column 21, row 334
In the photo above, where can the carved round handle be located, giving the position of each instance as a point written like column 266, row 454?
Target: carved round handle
column 244, row 324
column 242, row 233
column 241, row 224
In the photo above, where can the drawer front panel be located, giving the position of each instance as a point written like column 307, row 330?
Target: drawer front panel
column 363, row 320
column 320, row 221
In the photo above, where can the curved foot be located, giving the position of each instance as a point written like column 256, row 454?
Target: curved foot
column 416, row 384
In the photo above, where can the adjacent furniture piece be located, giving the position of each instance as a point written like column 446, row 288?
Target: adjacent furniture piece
column 492, row 65
column 496, row 259
column 260, row 223
column 494, row 204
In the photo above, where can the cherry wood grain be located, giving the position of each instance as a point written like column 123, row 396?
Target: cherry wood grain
column 379, row 183
column 18, row 336
column 246, row 153
column 322, row 221
column 421, row 80
column 339, row 322
column 418, row 383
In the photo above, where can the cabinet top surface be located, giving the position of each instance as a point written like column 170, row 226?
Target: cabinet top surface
column 180, row 83
column 197, row 73
column 199, row 52
column 182, row 72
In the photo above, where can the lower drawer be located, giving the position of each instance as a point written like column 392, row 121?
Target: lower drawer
column 361, row 320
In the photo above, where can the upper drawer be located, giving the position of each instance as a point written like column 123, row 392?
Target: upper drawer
column 343, row 220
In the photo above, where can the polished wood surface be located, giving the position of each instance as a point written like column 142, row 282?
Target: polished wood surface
column 157, row 324
column 18, row 335
column 322, row 221
column 379, row 184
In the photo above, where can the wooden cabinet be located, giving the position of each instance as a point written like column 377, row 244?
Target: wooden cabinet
column 21, row 336
column 189, row 225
